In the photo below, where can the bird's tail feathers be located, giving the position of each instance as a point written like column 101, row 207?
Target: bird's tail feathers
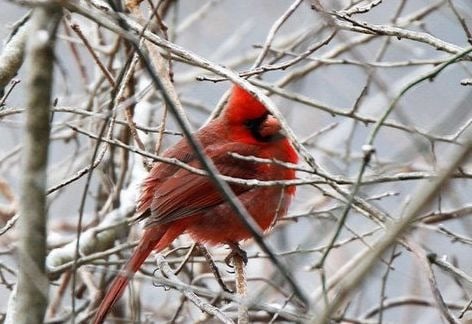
column 153, row 238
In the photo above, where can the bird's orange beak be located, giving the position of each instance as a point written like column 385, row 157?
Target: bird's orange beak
column 270, row 127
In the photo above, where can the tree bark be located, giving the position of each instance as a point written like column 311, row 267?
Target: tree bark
column 32, row 290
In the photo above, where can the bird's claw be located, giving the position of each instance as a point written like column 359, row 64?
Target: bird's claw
column 236, row 251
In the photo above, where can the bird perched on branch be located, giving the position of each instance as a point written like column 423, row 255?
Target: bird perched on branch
column 176, row 201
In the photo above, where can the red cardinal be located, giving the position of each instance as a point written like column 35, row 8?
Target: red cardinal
column 175, row 200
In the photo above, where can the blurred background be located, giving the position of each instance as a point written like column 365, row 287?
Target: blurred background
column 333, row 68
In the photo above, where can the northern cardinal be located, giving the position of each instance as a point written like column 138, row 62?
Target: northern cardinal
column 174, row 200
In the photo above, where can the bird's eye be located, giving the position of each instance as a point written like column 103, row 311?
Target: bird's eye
column 254, row 124
column 250, row 124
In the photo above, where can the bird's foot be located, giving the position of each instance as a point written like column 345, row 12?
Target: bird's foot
column 236, row 251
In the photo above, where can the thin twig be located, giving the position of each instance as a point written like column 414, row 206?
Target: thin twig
column 241, row 289
column 197, row 301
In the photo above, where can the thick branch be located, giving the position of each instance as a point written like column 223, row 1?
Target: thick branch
column 32, row 294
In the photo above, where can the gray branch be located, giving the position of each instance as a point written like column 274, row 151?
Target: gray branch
column 32, row 289
column 13, row 53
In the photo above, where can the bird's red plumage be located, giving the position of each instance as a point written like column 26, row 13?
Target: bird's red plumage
column 175, row 200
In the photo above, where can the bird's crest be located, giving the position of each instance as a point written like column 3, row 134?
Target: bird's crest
column 243, row 106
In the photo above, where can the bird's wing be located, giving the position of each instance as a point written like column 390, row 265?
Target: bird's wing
column 185, row 194
column 160, row 173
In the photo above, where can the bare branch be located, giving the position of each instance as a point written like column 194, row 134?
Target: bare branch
column 32, row 289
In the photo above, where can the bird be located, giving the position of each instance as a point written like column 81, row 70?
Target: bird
column 174, row 200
